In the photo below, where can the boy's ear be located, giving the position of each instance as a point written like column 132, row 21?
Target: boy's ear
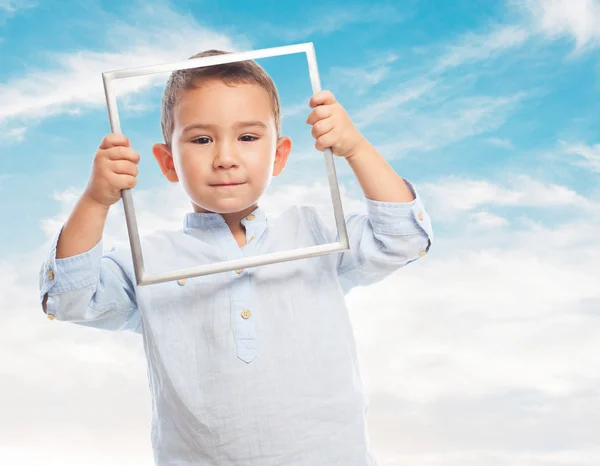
column 164, row 157
column 284, row 147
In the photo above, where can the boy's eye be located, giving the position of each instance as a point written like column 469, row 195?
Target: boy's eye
column 202, row 140
column 248, row 137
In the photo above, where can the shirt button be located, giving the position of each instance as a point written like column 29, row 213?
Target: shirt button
column 245, row 313
column 421, row 216
column 251, row 238
column 422, row 254
column 50, row 317
column 51, row 274
column 251, row 217
column 239, row 271
column 182, row 281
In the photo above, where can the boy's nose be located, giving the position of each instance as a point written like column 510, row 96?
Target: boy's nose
column 225, row 156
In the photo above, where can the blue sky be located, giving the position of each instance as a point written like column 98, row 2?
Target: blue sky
column 488, row 107
column 494, row 108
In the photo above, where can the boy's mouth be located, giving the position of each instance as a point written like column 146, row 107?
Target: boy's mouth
column 226, row 184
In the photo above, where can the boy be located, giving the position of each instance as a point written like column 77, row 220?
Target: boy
column 248, row 367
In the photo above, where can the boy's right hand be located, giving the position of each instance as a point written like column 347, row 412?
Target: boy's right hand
column 114, row 169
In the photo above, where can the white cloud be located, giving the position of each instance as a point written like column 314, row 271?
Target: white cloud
column 588, row 156
column 577, row 19
column 431, row 120
column 12, row 135
column 551, row 19
column 473, row 48
column 453, row 194
column 73, row 81
column 51, row 364
column 490, row 341
column 391, row 100
column 587, row 456
column 55, row 456
column 488, row 220
column 503, row 143
column 363, row 78
column 12, row 6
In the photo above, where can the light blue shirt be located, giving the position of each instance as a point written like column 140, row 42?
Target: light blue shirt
column 257, row 368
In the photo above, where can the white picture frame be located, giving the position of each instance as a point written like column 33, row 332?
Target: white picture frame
column 143, row 278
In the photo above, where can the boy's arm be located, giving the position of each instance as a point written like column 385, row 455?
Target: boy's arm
column 396, row 229
column 378, row 180
column 84, row 228
column 77, row 283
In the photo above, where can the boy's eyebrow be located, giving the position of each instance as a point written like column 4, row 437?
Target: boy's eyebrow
column 239, row 124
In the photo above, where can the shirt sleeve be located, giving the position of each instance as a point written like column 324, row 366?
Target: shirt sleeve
column 90, row 289
column 389, row 236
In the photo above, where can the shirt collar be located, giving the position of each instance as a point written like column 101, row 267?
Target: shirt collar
column 202, row 219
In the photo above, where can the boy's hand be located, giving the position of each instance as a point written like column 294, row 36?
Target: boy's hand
column 332, row 127
column 114, row 169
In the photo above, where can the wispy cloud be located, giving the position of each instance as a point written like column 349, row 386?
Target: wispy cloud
column 393, row 99
column 326, row 21
column 550, row 19
column 361, row 79
column 75, row 84
column 12, row 6
column 488, row 220
column 439, row 107
column 12, row 135
column 503, row 143
column 435, row 121
column 586, row 156
column 577, row 19
column 455, row 194
column 472, row 48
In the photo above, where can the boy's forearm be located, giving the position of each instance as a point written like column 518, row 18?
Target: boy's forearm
column 84, row 228
column 377, row 178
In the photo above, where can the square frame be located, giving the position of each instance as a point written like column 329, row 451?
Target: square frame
column 142, row 278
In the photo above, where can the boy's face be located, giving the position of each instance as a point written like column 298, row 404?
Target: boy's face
column 224, row 146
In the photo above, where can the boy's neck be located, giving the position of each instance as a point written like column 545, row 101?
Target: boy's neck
column 234, row 219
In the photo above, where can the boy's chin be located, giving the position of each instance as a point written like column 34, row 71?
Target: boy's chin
column 226, row 206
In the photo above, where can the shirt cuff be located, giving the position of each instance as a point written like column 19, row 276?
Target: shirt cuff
column 400, row 218
column 69, row 273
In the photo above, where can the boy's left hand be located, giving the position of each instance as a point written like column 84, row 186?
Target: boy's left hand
column 332, row 127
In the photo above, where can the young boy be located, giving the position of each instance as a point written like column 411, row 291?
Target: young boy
column 248, row 367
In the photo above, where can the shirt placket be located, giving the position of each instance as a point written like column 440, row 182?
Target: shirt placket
column 243, row 307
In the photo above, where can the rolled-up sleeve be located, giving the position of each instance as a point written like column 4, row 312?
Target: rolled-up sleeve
column 389, row 236
column 89, row 289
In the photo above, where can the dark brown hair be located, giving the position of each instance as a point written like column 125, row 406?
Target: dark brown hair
column 247, row 72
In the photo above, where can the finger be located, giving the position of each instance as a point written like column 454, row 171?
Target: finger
column 114, row 139
column 324, row 141
column 124, row 167
column 123, row 153
column 322, row 127
column 322, row 98
column 319, row 113
column 123, row 181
